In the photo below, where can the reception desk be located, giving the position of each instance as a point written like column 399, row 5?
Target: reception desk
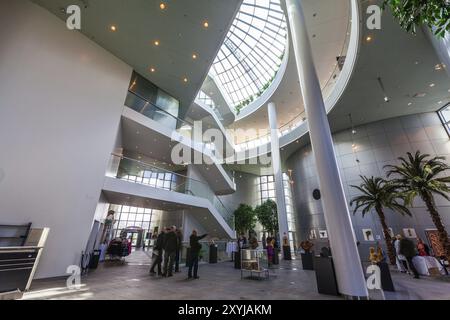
column 16, row 267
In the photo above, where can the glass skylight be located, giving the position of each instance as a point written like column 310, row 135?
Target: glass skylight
column 252, row 52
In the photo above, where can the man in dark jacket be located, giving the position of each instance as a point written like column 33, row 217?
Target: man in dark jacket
column 170, row 249
column 408, row 249
column 195, row 247
column 157, row 254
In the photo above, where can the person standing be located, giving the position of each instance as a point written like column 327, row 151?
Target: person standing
column 423, row 248
column 286, row 247
column 157, row 254
column 408, row 249
column 170, row 248
column 400, row 258
column 178, row 252
column 194, row 253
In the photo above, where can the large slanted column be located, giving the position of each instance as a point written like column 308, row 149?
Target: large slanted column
column 278, row 173
column 346, row 258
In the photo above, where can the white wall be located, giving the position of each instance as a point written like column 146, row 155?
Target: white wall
column 61, row 101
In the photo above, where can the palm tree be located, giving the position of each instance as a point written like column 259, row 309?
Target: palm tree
column 420, row 175
column 378, row 194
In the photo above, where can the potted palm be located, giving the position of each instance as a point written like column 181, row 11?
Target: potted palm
column 378, row 194
column 422, row 176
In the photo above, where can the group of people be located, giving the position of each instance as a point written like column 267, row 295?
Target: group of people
column 270, row 244
column 167, row 252
column 405, row 251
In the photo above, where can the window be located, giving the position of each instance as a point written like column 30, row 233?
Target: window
column 252, row 52
column 444, row 114
column 266, row 189
column 127, row 217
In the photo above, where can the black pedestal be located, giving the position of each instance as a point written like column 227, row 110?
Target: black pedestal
column 287, row 253
column 276, row 258
column 307, row 261
column 94, row 259
column 188, row 256
column 386, row 280
column 212, row 254
column 237, row 260
column 325, row 276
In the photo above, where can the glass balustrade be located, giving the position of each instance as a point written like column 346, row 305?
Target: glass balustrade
column 139, row 172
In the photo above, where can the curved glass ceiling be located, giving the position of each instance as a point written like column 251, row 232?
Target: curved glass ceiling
column 252, row 52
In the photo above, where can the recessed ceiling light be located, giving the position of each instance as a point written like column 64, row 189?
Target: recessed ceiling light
column 113, row 28
column 369, row 38
column 194, row 56
column 205, row 24
column 156, row 43
column 152, row 69
column 410, row 104
column 185, row 79
column 440, row 102
column 386, row 99
column 432, row 85
column 162, row 5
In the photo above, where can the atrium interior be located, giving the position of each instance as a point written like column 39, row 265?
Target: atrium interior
column 277, row 149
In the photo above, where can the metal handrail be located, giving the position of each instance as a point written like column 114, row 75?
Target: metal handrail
column 160, row 109
column 144, row 164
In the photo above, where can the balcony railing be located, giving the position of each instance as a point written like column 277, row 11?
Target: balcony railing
column 143, row 173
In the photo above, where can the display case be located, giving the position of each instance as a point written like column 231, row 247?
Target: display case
column 255, row 263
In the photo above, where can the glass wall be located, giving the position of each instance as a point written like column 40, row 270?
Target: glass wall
column 146, row 98
column 444, row 114
column 136, row 218
column 266, row 190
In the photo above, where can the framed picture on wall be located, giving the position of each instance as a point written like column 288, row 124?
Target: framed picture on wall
column 410, row 233
column 323, row 234
column 312, row 234
column 368, row 234
column 433, row 240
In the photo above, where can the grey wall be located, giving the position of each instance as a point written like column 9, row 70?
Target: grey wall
column 61, row 101
column 245, row 192
column 378, row 144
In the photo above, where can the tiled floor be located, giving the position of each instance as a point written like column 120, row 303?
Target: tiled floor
column 220, row 281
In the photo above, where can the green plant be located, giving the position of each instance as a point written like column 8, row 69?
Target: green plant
column 268, row 216
column 422, row 176
column 244, row 218
column 413, row 13
column 377, row 193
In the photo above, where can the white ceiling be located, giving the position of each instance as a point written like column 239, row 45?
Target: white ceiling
column 178, row 28
column 406, row 65
column 327, row 22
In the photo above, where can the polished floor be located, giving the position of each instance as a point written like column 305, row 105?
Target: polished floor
column 116, row 281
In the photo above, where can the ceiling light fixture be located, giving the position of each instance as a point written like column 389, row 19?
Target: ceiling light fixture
column 432, row 85
column 152, row 70
column 185, row 80
column 206, row 24
column 162, row 5
column 113, row 28
column 369, row 38
column 156, row 43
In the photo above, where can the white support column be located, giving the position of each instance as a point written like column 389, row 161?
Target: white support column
column 346, row 258
column 277, row 172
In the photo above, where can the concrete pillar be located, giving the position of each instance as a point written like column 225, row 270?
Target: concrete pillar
column 278, row 173
column 345, row 254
